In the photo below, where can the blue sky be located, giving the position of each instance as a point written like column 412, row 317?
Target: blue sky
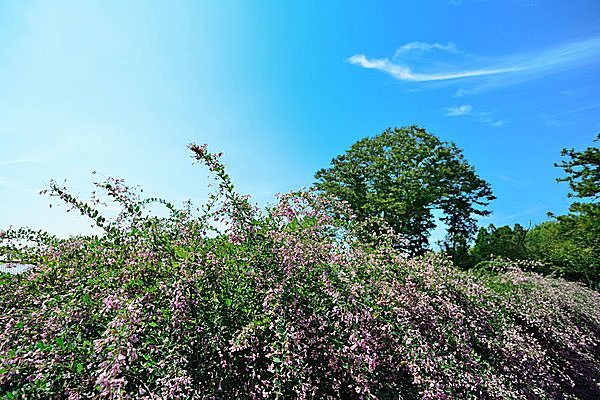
column 120, row 87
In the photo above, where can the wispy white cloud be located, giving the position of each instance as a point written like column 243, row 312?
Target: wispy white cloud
column 19, row 161
column 404, row 73
column 461, row 110
column 582, row 108
column 566, row 117
column 467, row 109
column 560, row 57
column 450, row 48
column 462, row 92
column 491, row 122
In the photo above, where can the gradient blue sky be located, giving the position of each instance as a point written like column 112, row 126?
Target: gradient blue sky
column 281, row 87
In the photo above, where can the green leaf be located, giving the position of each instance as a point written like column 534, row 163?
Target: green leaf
column 41, row 346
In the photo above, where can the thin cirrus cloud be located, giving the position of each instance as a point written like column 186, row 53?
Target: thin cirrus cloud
column 460, row 110
column 20, row 161
column 560, row 57
column 404, row 73
column 450, row 48
column 494, row 123
column 467, row 109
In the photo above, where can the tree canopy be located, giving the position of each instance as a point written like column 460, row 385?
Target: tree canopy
column 505, row 242
column 401, row 176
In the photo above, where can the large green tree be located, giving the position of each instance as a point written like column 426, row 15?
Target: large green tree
column 402, row 175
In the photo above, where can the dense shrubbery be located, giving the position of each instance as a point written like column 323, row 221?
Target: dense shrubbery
column 287, row 303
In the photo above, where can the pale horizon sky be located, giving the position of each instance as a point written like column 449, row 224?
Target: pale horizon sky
column 283, row 87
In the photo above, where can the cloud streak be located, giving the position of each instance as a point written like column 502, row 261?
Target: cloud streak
column 494, row 123
column 467, row 109
column 404, row 73
column 450, row 48
column 461, row 110
column 20, row 161
column 560, row 57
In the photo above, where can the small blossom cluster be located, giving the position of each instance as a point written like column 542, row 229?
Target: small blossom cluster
column 291, row 302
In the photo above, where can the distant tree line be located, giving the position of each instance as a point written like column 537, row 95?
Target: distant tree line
column 398, row 179
column 568, row 245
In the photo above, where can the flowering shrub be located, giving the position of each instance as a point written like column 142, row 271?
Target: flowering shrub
column 286, row 303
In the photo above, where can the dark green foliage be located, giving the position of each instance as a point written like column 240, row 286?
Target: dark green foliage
column 573, row 241
column 504, row 242
column 583, row 175
column 402, row 175
column 566, row 247
column 569, row 247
